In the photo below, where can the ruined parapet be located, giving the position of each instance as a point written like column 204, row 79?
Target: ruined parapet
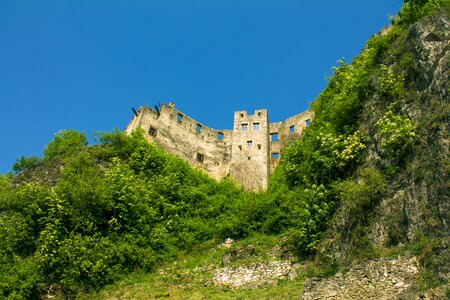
column 282, row 133
column 250, row 149
column 200, row 146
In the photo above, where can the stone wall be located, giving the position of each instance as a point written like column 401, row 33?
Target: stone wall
column 249, row 149
column 200, row 146
column 244, row 153
column 282, row 133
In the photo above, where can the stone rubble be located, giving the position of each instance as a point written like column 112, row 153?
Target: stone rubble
column 377, row 279
column 227, row 243
column 384, row 278
column 255, row 275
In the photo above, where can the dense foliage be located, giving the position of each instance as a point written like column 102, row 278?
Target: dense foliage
column 82, row 215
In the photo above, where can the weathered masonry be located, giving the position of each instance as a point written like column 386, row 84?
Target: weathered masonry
column 248, row 153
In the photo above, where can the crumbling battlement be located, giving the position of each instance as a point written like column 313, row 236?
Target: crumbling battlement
column 248, row 153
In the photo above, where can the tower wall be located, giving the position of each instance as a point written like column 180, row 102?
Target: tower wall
column 250, row 149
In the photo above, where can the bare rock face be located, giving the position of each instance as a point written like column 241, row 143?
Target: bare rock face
column 429, row 40
column 416, row 202
column 419, row 196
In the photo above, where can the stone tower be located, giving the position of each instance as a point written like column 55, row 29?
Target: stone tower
column 250, row 149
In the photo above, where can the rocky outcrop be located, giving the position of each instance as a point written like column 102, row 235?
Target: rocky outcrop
column 415, row 204
column 417, row 201
column 429, row 40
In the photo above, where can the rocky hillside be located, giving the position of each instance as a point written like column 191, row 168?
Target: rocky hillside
column 414, row 206
column 388, row 237
column 357, row 208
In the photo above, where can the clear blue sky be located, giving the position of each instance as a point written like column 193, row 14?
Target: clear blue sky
column 83, row 64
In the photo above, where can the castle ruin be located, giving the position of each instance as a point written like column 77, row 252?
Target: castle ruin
column 248, row 153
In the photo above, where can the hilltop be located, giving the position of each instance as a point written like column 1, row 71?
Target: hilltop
column 357, row 208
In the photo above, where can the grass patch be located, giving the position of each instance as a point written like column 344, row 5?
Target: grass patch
column 190, row 276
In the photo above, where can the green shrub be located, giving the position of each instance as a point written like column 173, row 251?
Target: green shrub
column 26, row 163
column 15, row 235
column 388, row 83
column 20, row 279
column 309, row 217
column 396, row 133
column 413, row 10
column 65, row 144
column 407, row 62
column 361, row 194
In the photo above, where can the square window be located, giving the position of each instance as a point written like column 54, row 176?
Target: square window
column 274, row 136
column 249, row 144
column 255, row 126
column 292, row 129
column 198, row 128
column 259, row 146
column 308, row 122
column 200, row 157
column 152, row 131
column 244, row 127
column 275, row 155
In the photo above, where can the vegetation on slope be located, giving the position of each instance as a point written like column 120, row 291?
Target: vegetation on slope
column 82, row 216
column 372, row 170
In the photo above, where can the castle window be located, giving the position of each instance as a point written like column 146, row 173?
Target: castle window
column 308, row 122
column 220, row 136
column 152, row 131
column 259, row 146
column 241, row 115
column 259, row 114
column 179, row 117
column 249, row 144
column 198, row 128
column 255, row 126
column 244, row 127
column 292, row 129
column 275, row 155
column 240, row 147
column 200, row 157
column 274, row 136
